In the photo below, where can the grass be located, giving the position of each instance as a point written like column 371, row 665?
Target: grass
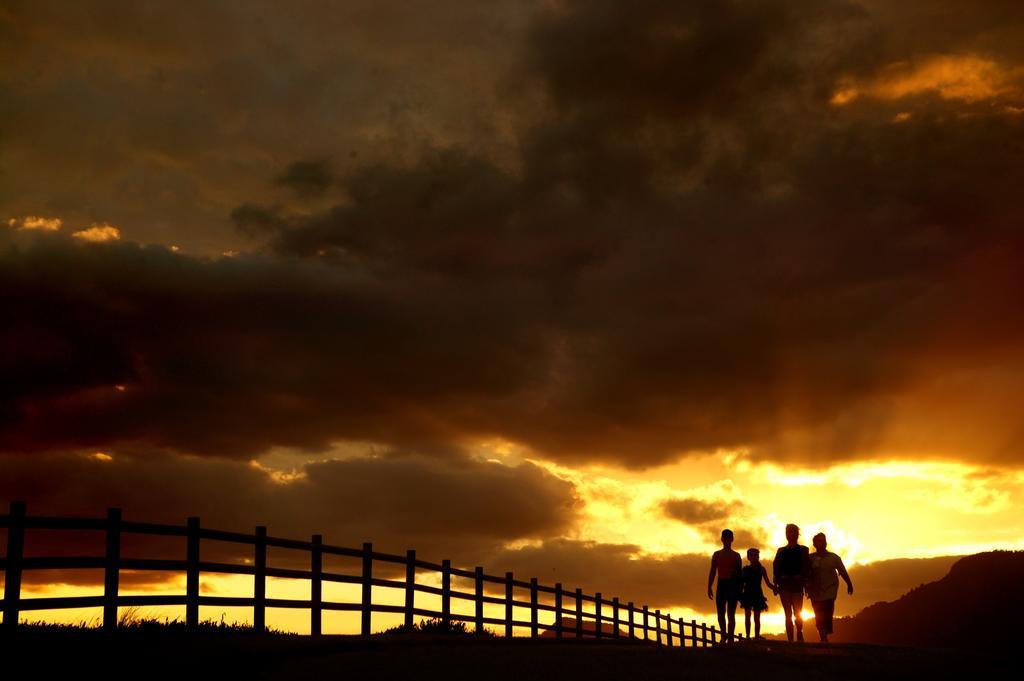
column 131, row 620
column 436, row 626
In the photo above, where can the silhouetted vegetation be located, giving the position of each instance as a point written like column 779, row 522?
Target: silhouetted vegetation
column 131, row 620
column 436, row 625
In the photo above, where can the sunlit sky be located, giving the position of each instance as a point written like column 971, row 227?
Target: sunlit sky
column 871, row 512
column 557, row 286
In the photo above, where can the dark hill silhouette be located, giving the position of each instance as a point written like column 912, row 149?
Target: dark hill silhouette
column 974, row 606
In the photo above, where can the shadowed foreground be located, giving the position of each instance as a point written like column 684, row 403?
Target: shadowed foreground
column 426, row 657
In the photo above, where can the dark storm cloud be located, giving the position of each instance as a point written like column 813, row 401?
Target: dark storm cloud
column 306, row 178
column 692, row 248
column 160, row 119
column 912, row 29
column 712, row 516
column 694, row 511
column 461, row 509
column 117, row 343
column 749, row 263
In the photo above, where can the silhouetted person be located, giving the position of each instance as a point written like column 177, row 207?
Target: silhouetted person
column 726, row 564
column 823, row 584
column 790, row 570
column 752, row 598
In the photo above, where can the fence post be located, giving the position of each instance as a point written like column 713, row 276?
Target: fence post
column 646, row 628
column 615, row 617
column 446, row 593
column 111, row 569
column 703, row 635
column 632, row 615
column 12, row 573
column 579, row 612
column 657, row 627
column 597, row 615
column 682, row 633
column 316, row 585
column 693, row 632
column 366, row 620
column 558, row 610
column 259, row 581
column 478, row 575
column 192, row 574
column 410, row 587
column 533, row 607
column 508, row 604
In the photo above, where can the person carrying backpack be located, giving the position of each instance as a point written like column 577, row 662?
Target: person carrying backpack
column 791, row 569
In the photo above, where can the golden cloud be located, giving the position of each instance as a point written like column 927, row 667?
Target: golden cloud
column 964, row 487
column 98, row 232
column 36, row 222
column 965, row 77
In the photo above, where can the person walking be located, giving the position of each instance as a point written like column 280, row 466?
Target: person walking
column 823, row 584
column 752, row 598
column 790, row 570
column 726, row 565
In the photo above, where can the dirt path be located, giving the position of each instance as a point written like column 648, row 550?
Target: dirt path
column 296, row 659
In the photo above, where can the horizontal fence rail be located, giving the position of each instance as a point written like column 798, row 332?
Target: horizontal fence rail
column 609, row 619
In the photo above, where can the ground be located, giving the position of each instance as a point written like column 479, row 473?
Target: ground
column 239, row 656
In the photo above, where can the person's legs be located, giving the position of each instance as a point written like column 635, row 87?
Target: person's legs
column 819, row 619
column 797, row 601
column 828, row 612
column 757, row 625
column 787, row 612
column 732, row 618
column 720, row 602
column 746, row 621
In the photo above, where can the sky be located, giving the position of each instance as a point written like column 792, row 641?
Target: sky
column 561, row 287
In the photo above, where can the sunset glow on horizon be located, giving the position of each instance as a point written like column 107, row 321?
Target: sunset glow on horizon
column 629, row 510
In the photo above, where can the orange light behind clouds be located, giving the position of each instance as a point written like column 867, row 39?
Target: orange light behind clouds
column 965, row 77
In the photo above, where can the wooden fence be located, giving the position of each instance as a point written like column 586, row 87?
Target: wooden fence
column 626, row 620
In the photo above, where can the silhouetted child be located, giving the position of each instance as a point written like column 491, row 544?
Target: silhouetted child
column 752, row 598
column 726, row 565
